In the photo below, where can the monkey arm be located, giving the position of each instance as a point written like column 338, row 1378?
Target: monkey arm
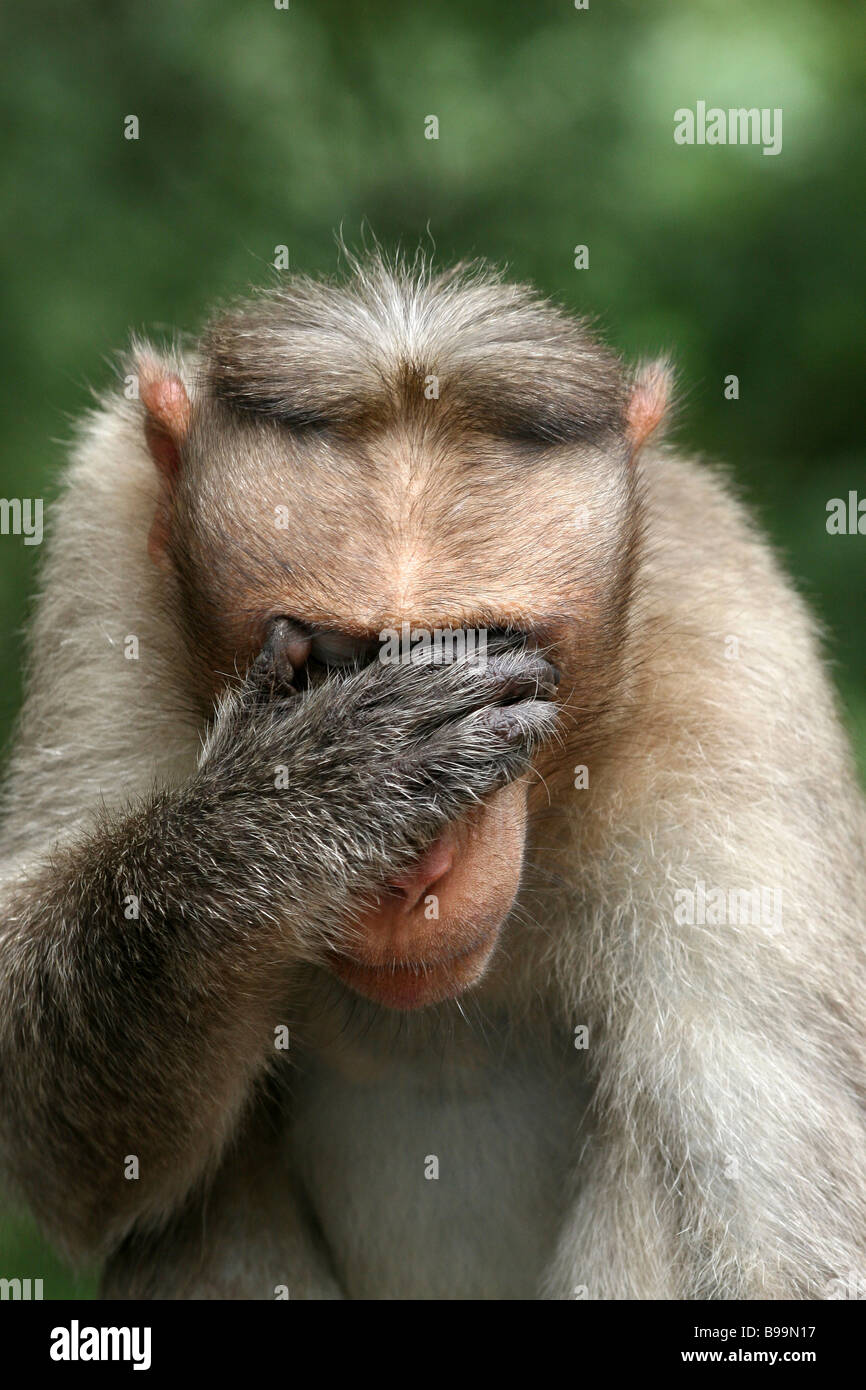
column 144, row 968
column 725, row 1152
column 128, row 1048
column 252, row 1235
column 682, row 1196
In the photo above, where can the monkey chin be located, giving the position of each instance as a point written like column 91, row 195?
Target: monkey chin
column 415, row 984
column 403, row 959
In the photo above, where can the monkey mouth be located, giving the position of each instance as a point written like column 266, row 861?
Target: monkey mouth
column 413, row 984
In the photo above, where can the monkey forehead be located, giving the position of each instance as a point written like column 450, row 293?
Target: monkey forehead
column 461, row 349
column 360, row 533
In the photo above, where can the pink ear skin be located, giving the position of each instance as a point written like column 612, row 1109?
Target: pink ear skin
column 166, row 425
column 648, row 404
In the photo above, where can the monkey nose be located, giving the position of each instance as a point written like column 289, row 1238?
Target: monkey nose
column 413, row 886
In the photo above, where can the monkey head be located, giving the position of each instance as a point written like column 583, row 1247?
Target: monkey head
column 448, row 452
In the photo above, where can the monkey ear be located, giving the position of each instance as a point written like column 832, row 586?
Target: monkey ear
column 648, row 402
column 167, row 412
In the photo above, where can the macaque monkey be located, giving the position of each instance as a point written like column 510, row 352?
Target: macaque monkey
column 327, row 976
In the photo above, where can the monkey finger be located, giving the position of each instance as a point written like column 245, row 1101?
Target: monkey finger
column 525, row 676
column 521, row 721
column 285, row 651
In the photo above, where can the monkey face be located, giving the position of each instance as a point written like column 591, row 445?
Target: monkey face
column 414, row 538
column 507, row 501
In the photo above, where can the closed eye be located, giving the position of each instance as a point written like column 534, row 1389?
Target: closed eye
column 340, row 649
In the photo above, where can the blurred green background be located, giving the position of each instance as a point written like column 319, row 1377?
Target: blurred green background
column 262, row 127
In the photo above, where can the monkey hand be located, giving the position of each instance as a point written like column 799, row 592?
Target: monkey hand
column 348, row 781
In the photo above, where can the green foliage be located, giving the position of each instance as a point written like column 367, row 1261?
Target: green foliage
column 261, row 127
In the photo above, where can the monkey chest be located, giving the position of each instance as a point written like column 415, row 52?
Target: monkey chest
column 431, row 1179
